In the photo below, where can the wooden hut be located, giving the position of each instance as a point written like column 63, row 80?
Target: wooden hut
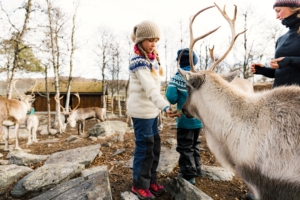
column 90, row 91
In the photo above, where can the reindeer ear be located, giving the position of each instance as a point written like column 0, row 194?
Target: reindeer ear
column 230, row 76
column 195, row 81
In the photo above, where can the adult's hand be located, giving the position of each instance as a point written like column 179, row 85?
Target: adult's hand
column 274, row 63
column 253, row 65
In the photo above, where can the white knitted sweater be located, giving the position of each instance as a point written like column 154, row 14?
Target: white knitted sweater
column 145, row 100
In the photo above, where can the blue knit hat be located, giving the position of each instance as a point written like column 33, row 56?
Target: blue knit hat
column 184, row 59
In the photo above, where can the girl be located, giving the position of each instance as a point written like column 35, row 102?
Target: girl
column 143, row 105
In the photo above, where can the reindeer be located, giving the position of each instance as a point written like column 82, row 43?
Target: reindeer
column 32, row 124
column 256, row 135
column 80, row 115
column 13, row 112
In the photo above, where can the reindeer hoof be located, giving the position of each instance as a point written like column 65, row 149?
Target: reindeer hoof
column 29, row 143
column 6, row 150
column 84, row 135
column 17, row 148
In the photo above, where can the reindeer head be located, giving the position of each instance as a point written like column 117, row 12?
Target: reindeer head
column 195, row 81
column 197, row 88
column 26, row 99
column 69, row 116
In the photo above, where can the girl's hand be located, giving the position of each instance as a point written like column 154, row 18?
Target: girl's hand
column 170, row 113
column 274, row 62
column 253, row 65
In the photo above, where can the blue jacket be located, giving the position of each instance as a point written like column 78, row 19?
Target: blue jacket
column 177, row 94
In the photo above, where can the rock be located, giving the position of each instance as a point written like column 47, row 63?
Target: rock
column 183, row 190
column 10, row 173
column 108, row 128
column 82, row 155
column 93, row 186
column 45, row 178
column 26, row 159
column 216, row 173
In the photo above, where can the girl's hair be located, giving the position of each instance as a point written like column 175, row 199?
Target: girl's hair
column 296, row 9
column 144, row 53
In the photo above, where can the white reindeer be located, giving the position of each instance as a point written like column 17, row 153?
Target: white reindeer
column 13, row 112
column 80, row 115
column 257, row 135
column 32, row 124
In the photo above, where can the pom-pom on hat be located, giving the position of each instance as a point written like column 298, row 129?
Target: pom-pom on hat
column 286, row 3
column 184, row 59
column 145, row 30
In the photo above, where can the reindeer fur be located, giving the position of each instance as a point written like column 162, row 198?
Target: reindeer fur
column 32, row 124
column 13, row 112
column 80, row 115
column 256, row 135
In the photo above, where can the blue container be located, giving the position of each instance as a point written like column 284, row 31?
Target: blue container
column 31, row 112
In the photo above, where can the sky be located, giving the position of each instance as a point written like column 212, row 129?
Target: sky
column 123, row 15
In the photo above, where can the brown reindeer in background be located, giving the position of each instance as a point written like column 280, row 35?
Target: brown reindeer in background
column 80, row 115
column 13, row 112
column 256, row 135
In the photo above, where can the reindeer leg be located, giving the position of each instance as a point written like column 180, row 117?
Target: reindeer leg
column 6, row 137
column 83, row 125
column 29, row 137
column 17, row 125
column 78, row 127
column 34, row 139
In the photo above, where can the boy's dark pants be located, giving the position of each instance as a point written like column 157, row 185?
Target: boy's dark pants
column 188, row 145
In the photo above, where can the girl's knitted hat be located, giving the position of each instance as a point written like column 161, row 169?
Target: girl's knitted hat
column 145, row 30
column 286, row 3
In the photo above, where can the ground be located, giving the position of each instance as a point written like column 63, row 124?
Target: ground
column 120, row 177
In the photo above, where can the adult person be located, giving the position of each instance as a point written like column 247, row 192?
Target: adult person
column 285, row 68
column 188, row 129
column 143, row 106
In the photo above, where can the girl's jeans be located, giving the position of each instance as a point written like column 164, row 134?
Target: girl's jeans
column 146, row 153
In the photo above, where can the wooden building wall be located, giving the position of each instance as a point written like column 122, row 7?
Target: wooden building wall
column 86, row 100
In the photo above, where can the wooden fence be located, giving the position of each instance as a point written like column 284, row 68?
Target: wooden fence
column 112, row 105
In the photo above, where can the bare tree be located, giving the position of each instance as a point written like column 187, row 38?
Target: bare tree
column 56, row 21
column 254, row 43
column 204, row 56
column 128, row 55
column 104, row 38
column 71, row 56
column 18, row 41
column 115, row 71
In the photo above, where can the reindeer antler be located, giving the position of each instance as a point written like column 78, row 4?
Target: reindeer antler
column 194, row 40
column 14, row 84
column 58, row 101
column 233, row 36
column 32, row 89
column 77, row 95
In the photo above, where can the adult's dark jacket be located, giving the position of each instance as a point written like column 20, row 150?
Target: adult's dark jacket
column 288, row 46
